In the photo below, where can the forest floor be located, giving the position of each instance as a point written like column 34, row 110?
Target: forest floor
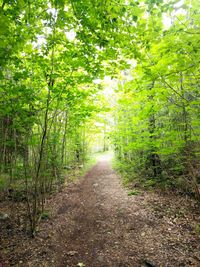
column 95, row 223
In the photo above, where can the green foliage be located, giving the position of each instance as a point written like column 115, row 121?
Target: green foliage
column 44, row 215
column 48, row 63
column 150, row 183
column 133, row 193
column 4, row 181
column 197, row 229
column 156, row 133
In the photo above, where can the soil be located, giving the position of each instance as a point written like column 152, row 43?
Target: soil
column 96, row 223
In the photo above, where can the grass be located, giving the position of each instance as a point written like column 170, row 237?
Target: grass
column 44, row 215
column 197, row 229
column 133, row 193
column 80, row 170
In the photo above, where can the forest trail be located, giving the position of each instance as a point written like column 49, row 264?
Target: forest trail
column 96, row 224
column 106, row 225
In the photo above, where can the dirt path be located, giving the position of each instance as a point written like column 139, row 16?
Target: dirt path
column 103, row 230
column 96, row 223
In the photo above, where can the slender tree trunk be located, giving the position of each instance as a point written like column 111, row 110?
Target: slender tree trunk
column 64, row 139
column 153, row 157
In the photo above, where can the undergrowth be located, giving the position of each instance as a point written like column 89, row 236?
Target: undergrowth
column 143, row 180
